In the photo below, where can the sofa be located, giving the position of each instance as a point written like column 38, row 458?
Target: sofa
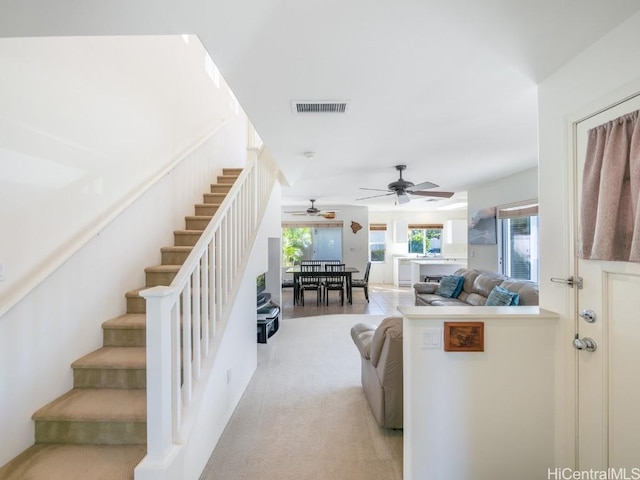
column 477, row 286
column 380, row 350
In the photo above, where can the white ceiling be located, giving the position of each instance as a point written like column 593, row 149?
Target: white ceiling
column 447, row 88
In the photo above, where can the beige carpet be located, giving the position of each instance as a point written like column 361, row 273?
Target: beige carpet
column 304, row 414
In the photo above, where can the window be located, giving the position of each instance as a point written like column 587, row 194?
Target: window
column 519, row 241
column 425, row 239
column 320, row 241
column 377, row 242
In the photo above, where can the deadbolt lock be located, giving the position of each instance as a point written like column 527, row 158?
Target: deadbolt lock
column 588, row 315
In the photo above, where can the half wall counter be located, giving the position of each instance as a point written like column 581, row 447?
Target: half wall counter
column 478, row 392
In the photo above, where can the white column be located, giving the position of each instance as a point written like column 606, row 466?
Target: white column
column 159, row 406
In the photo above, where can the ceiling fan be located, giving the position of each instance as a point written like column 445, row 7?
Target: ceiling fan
column 312, row 211
column 402, row 189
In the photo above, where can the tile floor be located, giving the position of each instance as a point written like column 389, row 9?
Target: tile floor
column 383, row 300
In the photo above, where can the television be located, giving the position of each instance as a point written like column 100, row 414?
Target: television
column 262, row 297
column 261, row 283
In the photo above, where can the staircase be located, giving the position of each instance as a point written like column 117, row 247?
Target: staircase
column 98, row 429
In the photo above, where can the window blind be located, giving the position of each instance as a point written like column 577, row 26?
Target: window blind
column 419, row 226
column 378, row 226
column 524, row 209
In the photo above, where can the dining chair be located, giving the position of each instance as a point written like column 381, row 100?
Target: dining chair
column 334, row 283
column 309, row 282
column 289, row 283
column 363, row 282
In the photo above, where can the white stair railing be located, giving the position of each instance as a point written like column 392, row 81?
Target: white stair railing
column 185, row 320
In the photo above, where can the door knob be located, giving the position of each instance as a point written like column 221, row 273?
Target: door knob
column 588, row 315
column 586, row 343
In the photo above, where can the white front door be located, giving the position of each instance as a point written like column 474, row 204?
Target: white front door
column 608, row 409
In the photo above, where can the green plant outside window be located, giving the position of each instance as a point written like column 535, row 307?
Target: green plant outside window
column 424, row 241
column 294, row 243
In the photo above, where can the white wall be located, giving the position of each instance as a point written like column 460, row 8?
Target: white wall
column 606, row 72
column 60, row 320
column 514, row 188
column 383, row 272
column 85, row 122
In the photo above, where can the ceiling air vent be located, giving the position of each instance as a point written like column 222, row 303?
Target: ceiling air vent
column 320, row 107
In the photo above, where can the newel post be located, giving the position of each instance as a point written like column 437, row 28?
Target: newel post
column 159, row 356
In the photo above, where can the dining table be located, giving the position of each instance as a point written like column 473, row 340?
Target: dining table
column 347, row 273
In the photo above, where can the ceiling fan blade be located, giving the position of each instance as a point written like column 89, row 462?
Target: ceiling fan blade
column 434, row 194
column 423, row 186
column 295, row 211
column 375, row 189
column 403, row 197
column 376, row 196
column 328, row 214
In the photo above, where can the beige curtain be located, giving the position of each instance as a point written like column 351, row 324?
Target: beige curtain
column 610, row 214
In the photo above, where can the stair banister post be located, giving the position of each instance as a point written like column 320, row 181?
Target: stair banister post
column 160, row 301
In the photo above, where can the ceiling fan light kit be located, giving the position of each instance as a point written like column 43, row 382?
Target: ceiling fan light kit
column 312, row 211
column 403, row 189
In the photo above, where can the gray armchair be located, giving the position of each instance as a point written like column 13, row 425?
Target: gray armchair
column 381, row 354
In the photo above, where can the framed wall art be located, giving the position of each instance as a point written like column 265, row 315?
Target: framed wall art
column 464, row 336
column 482, row 227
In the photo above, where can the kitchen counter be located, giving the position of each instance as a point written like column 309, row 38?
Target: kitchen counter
column 409, row 270
column 437, row 261
column 420, row 267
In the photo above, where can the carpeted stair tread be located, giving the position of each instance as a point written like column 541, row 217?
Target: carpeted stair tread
column 135, row 292
column 206, row 208
column 176, row 248
column 206, row 205
column 160, row 274
column 227, row 179
column 114, row 358
column 186, row 237
column 131, row 321
column 197, row 221
column 99, row 405
column 74, row 462
column 175, row 255
column 221, row 187
column 214, row 198
column 162, row 269
column 135, row 303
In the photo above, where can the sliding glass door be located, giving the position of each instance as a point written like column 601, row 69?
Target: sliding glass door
column 327, row 244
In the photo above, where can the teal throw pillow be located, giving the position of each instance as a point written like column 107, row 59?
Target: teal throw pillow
column 450, row 286
column 500, row 297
